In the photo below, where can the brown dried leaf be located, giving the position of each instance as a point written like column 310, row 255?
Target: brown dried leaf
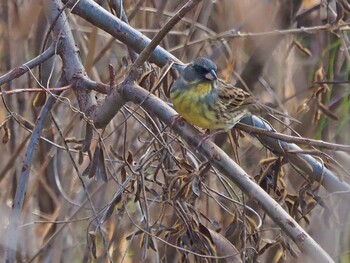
column 151, row 244
column 80, row 158
column 319, row 74
column 86, row 172
column 88, row 137
column 186, row 165
column 326, row 111
column 279, row 255
column 24, row 122
column 92, row 243
column 224, row 248
column 138, row 191
column 303, row 49
column 101, row 172
column 73, row 140
column 109, row 211
column 303, row 107
column 144, row 79
column 196, row 186
column 123, row 174
column 7, row 135
column 266, row 247
column 232, row 228
column 204, row 169
column 202, row 229
column 39, row 99
column 95, row 162
column 129, row 159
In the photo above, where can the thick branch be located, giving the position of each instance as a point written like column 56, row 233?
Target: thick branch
column 73, row 69
column 92, row 12
column 145, row 54
column 160, row 56
column 22, row 184
column 228, row 167
column 305, row 162
column 292, row 139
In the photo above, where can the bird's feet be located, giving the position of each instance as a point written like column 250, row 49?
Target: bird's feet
column 207, row 135
column 175, row 119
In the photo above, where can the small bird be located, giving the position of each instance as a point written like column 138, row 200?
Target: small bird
column 205, row 101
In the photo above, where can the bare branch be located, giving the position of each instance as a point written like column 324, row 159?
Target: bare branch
column 228, row 167
column 19, row 71
column 292, row 139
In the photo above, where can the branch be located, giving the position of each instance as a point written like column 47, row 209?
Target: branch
column 292, row 139
column 93, row 13
column 228, row 167
column 72, row 68
column 106, row 112
column 160, row 56
column 15, row 91
column 19, row 71
column 305, row 162
column 101, row 18
column 145, row 54
column 22, row 184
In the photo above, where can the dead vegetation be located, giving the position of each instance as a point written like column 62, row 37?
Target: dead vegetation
column 94, row 169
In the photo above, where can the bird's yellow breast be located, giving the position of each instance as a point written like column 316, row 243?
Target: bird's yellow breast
column 195, row 105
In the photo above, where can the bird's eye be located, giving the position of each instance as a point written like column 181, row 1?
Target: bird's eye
column 201, row 69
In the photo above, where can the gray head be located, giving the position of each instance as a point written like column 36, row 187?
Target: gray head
column 202, row 69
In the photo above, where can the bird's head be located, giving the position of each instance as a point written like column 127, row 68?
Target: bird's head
column 202, row 69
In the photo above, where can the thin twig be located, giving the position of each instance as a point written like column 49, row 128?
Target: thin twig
column 15, row 91
column 22, row 184
column 146, row 53
column 19, row 71
column 293, row 139
column 233, row 171
column 95, row 14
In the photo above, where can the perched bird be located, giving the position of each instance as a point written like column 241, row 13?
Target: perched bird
column 205, row 101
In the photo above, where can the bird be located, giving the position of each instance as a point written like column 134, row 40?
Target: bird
column 204, row 100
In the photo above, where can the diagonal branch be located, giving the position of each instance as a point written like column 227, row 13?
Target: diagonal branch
column 160, row 57
column 72, row 67
column 101, row 18
column 145, row 54
column 305, row 162
column 228, row 167
column 19, row 71
column 95, row 14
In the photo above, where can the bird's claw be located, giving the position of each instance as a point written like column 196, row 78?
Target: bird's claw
column 175, row 119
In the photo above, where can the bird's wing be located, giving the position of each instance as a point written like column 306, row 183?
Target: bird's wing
column 233, row 96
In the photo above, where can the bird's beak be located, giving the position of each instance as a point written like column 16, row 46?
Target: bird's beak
column 211, row 75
